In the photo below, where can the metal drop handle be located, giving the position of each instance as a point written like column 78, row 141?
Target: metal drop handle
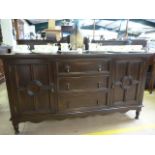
column 99, row 84
column 68, row 86
column 99, row 68
column 52, row 87
column 67, row 68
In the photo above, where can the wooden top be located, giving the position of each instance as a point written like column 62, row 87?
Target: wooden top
column 69, row 55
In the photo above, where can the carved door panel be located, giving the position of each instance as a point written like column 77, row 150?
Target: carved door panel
column 127, row 81
column 33, row 86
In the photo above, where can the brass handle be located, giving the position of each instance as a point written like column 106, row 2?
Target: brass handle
column 68, row 86
column 67, row 68
column 52, row 87
column 99, row 68
column 99, row 84
column 113, row 84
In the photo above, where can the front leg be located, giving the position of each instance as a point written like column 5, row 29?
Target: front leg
column 137, row 114
column 16, row 127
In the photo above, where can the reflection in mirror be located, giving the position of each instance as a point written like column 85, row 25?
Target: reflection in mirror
column 42, row 29
column 77, row 33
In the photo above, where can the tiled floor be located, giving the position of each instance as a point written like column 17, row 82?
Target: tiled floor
column 89, row 125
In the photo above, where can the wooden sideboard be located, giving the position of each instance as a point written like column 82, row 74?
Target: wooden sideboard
column 2, row 77
column 151, row 84
column 57, row 86
column 3, row 50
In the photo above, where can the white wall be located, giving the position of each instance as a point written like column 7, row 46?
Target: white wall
column 7, row 32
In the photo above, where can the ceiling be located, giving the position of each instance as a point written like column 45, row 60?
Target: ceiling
column 36, row 21
column 135, row 27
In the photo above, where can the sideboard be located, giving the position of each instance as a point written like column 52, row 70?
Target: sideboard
column 2, row 77
column 46, row 86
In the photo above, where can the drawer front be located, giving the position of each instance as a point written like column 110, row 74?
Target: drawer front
column 83, row 66
column 81, row 101
column 82, row 83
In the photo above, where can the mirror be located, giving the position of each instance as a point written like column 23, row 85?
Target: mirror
column 40, row 29
column 78, row 33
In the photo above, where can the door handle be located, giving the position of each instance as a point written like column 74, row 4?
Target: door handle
column 52, row 87
column 68, row 86
column 99, row 68
column 99, row 84
column 67, row 68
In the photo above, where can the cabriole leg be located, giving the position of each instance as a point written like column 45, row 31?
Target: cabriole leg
column 16, row 127
column 137, row 114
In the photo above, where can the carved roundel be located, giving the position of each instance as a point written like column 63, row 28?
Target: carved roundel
column 127, row 82
column 34, row 87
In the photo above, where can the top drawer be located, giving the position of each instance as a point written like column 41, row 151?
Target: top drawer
column 86, row 66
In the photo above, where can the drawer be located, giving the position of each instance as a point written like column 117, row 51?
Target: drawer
column 83, row 66
column 81, row 101
column 82, row 83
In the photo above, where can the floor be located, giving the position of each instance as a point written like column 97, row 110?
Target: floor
column 115, row 123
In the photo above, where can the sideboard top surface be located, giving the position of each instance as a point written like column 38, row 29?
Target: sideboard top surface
column 68, row 55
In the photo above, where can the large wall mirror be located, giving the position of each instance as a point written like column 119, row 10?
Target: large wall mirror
column 78, row 31
column 44, row 30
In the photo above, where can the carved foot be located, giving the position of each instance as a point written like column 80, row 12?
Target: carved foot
column 150, row 91
column 16, row 128
column 137, row 114
column 17, row 132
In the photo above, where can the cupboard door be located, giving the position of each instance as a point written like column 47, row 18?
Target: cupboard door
column 127, row 82
column 34, row 86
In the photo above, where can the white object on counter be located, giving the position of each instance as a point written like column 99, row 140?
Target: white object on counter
column 115, row 48
column 64, row 47
column 38, row 49
column 45, row 49
column 21, row 49
column 79, row 50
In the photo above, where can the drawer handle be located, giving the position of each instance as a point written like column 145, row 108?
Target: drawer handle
column 99, row 84
column 97, row 102
column 52, row 87
column 67, row 68
column 99, row 68
column 68, row 86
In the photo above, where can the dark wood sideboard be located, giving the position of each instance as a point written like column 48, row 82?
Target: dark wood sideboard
column 44, row 86
column 3, row 49
column 2, row 77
